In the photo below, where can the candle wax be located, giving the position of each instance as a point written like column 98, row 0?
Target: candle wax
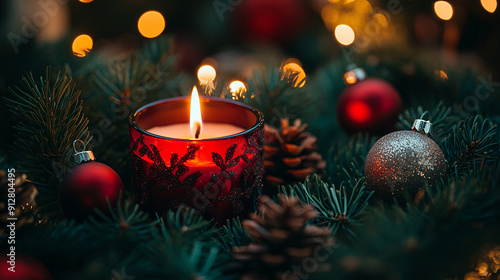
column 208, row 130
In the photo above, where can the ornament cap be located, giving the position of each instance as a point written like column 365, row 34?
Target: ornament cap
column 82, row 156
column 354, row 74
column 422, row 126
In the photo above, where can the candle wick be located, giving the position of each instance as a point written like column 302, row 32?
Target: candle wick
column 198, row 130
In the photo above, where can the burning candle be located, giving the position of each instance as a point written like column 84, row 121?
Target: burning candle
column 205, row 130
column 202, row 152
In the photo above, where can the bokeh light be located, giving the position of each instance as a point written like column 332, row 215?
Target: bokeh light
column 350, row 78
column 489, row 5
column 238, row 89
column 293, row 65
column 151, row 24
column 344, row 34
column 86, row 1
column 441, row 75
column 381, row 19
column 206, row 74
column 82, row 45
column 443, row 10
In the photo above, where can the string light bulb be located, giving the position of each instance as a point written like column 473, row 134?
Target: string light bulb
column 82, row 45
column 293, row 65
column 238, row 89
column 206, row 74
column 151, row 24
column 344, row 34
column 443, row 10
column 489, row 5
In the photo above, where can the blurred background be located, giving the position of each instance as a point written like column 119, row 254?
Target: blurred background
column 238, row 36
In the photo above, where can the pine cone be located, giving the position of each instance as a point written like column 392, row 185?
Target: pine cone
column 25, row 204
column 283, row 245
column 290, row 154
column 488, row 266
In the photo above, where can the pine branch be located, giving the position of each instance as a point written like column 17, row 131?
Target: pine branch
column 171, row 260
column 346, row 161
column 451, row 221
column 50, row 118
column 276, row 93
column 126, row 224
column 441, row 118
column 96, row 248
column 338, row 209
column 234, row 235
column 187, row 224
column 184, row 248
column 473, row 142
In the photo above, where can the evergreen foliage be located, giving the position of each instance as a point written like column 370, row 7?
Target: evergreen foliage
column 436, row 235
column 339, row 209
column 49, row 116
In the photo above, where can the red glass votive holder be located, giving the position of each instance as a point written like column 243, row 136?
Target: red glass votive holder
column 220, row 177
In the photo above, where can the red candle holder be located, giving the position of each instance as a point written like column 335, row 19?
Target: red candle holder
column 220, row 177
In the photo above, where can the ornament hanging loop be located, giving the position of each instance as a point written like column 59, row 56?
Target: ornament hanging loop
column 82, row 155
column 79, row 141
column 422, row 126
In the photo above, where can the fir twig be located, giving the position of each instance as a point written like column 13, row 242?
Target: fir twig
column 234, row 235
column 346, row 161
column 338, row 209
column 441, row 118
column 188, row 224
column 276, row 93
column 50, row 118
column 126, row 224
column 473, row 142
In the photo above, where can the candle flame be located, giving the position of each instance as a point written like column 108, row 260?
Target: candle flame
column 195, row 123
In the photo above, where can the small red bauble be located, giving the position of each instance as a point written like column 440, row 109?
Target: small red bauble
column 371, row 105
column 86, row 187
column 272, row 21
column 24, row 268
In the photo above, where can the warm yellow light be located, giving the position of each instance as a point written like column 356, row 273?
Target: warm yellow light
column 151, row 24
column 292, row 65
column 344, row 34
column 381, row 19
column 206, row 74
column 482, row 269
column 82, row 45
column 237, row 89
column 341, row 1
column 443, row 10
column 350, row 77
column 489, row 5
column 86, row 1
column 195, row 123
column 442, row 75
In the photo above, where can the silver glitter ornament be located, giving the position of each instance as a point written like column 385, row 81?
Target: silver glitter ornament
column 404, row 161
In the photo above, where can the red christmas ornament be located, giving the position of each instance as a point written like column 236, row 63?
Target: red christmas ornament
column 272, row 21
column 21, row 268
column 87, row 186
column 370, row 105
